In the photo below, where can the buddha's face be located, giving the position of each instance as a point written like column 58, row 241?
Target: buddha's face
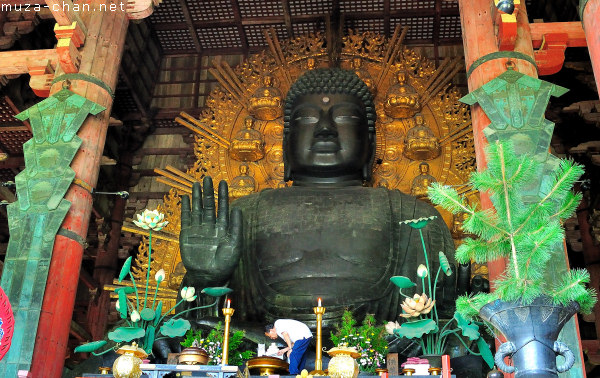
column 328, row 137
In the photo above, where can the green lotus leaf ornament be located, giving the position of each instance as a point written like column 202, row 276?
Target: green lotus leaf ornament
column 468, row 329
column 217, row 291
column 147, row 314
column 415, row 330
column 158, row 313
column 125, row 269
column 90, row 347
column 445, row 264
column 175, row 327
column 126, row 334
column 125, row 289
column 402, row 282
column 418, row 223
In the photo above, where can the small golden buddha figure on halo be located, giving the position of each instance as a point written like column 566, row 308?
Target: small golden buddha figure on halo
column 266, row 102
column 420, row 143
column 401, row 100
column 243, row 184
column 457, row 230
column 311, row 63
column 421, row 183
column 363, row 74
column 248, row 144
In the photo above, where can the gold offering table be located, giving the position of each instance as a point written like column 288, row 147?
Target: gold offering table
column 267, row 366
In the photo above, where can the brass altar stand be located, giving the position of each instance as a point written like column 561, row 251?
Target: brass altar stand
column 160, row 370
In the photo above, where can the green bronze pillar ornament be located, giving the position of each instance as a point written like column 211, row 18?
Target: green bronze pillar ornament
column 515, row 103
column 35, row 218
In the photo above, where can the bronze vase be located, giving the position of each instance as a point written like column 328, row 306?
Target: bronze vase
column 531, row 331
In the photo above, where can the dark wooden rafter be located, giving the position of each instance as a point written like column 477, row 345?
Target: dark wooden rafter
column 267, row 20
column 287, row 17
column 237, row 17
column 436, row 31
column 198, row 80
column 386, row 18
column 134, row 94
column 190, row 25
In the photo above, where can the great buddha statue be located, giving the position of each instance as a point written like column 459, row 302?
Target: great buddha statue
column 266, row 102
column 330, row 234
column 401, row 100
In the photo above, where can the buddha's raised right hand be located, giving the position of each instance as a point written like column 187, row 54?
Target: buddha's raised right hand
column 210, row 246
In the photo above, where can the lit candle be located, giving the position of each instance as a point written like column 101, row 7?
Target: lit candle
column 229, row 303
column 319, row 305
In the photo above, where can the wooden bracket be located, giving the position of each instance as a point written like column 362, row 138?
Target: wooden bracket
column 139, row 9
column 507, row 27
column 551, row 55
column 42, row 74
column 69, row 39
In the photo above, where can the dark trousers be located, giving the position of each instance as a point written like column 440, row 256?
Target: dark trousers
column 298, row 356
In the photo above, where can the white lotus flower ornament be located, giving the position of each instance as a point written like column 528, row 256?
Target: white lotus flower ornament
column 160, row 276
column 151, row 220
column 391, row 326
column 135, row 316
column 188, row 293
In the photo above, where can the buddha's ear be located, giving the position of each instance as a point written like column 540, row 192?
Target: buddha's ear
column 287, row 170
column 368, row 167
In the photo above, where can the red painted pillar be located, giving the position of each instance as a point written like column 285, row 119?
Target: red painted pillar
column 479, row 40
column 591, row 25
column 101, row 56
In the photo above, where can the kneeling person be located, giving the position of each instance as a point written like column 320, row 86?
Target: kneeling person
column 297, row 336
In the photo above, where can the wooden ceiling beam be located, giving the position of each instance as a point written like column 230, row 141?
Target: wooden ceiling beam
column 405, row 13
column 16, row 62
column 189, row 22
column 436, row 31
column 386, row 19
column 134, row 93
column 287, row 17
column 12, row 162
column 237, row 17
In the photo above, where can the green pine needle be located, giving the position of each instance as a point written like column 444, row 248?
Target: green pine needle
column 526, row 233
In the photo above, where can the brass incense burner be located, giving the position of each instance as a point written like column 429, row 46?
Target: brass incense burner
column 267, row 366
column 193, row 356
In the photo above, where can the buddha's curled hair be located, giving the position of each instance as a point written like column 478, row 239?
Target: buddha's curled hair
column 332, row 81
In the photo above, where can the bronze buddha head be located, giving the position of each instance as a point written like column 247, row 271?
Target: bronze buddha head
column 329, row 129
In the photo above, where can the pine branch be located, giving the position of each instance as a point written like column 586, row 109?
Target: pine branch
column 564, row 178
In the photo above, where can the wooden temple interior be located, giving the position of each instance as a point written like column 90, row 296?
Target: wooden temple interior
column 168, row 67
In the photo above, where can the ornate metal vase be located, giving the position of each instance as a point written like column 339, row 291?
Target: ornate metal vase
column 343, row 362
column 531, row 331
column 128, row 364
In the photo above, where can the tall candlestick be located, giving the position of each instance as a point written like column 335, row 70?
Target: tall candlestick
column 228, row 311
column 319, row 311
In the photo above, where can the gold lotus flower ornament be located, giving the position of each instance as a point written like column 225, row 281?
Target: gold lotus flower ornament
column 417, row 305
column 151, row 220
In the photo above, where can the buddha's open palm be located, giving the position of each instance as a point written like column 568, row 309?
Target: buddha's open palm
column 210, row 245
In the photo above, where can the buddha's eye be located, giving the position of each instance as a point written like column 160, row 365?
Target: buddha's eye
column 346, row 118
column 306, row 119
